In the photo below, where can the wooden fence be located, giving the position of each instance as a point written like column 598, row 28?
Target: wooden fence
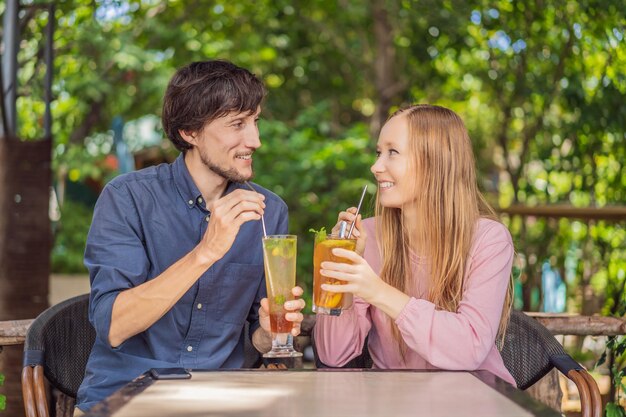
column 13, row 332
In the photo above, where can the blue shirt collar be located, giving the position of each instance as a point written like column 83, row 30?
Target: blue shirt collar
column 187, row 187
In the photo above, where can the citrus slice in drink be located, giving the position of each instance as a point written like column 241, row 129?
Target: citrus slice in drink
column 331, row 299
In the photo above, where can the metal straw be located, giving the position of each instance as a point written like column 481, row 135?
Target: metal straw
column 342, row 229
column 262, row 218
column 358, row 208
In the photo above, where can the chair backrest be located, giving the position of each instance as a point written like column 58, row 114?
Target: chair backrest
column 364, row 360
column 251, row 356
column 60, row 340
column 530, row 350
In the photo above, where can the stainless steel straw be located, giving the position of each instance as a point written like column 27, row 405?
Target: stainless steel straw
column 342, row 229
column 262, row 217
column 358, row 208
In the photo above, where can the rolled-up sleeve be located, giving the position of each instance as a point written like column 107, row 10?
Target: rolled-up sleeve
column 114, row 255
column 462, row 340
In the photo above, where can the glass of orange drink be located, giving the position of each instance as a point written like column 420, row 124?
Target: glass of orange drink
column 326, row 302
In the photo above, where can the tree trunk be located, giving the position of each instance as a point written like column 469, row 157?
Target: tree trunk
column 384, row 60
column 25, row 241
column 589, row 301
column 527, row 271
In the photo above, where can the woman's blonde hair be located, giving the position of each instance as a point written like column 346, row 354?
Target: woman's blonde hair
column 449, row 205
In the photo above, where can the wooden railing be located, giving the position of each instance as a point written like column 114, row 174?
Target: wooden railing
column 14, row 332
column 558, row 211
column 572, row 324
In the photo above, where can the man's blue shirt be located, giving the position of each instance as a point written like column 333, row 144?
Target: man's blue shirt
column 144, row 222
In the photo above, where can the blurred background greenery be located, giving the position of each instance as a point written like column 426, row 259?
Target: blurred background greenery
column 541, row 86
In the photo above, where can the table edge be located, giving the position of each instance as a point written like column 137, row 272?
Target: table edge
column 516, row 395
column 121, row 397
column 113, row 403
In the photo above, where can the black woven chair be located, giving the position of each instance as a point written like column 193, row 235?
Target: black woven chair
column 363, row 361
column 56, row 350
column 530, row 351
column 57, row 347
column 251, row 356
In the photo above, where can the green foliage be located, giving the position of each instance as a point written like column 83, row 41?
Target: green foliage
column 320, row 235
column 318, row 176
column 615, row 354
column 3, row 399
column 90, row 161
column 614, row 410
column 539, row 85
column 70, row 238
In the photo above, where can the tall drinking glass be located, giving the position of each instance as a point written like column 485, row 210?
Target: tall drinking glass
column 326, row 302
column 279, row 255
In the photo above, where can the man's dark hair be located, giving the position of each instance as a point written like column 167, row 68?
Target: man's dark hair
column 204, row 91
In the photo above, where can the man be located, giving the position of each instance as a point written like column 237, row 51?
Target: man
column 174, row 251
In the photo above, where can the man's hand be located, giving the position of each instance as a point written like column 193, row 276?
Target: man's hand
column 274, row 366
column 262, row 337
column 293, row 308
column 227, row 215
column 138, row 308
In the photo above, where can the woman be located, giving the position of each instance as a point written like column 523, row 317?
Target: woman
column 431, row 273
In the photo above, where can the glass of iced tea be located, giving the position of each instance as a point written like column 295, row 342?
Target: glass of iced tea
column 279, row 257
column 325, row 302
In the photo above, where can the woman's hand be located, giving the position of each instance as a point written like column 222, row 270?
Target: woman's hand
column 359, row 231
column 361, row 280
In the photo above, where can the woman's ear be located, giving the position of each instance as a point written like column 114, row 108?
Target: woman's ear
column 189, row 137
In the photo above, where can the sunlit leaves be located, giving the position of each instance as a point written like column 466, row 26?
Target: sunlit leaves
column 540, row 86
column 316, row 176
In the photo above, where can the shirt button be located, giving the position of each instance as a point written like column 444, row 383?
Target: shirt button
column 207, row 217
column 189, row 348
column 190, row 202
column 200, row 200
column 199, row 306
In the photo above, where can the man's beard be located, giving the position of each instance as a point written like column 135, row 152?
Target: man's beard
column 230, row 174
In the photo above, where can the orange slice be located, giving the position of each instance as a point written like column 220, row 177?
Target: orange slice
column 331, row 299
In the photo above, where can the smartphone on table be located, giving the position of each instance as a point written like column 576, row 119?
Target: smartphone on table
column 170, row 373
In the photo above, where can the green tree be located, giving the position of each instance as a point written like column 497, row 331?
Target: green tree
column 541, row 90
column 3, row 398
column 540, row 85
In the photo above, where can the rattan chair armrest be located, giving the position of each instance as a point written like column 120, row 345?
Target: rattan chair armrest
column 28, row 394
column 583, row 391
column 41, row 396
column 594, row 391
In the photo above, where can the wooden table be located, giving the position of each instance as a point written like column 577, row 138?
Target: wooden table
column 325, row 393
